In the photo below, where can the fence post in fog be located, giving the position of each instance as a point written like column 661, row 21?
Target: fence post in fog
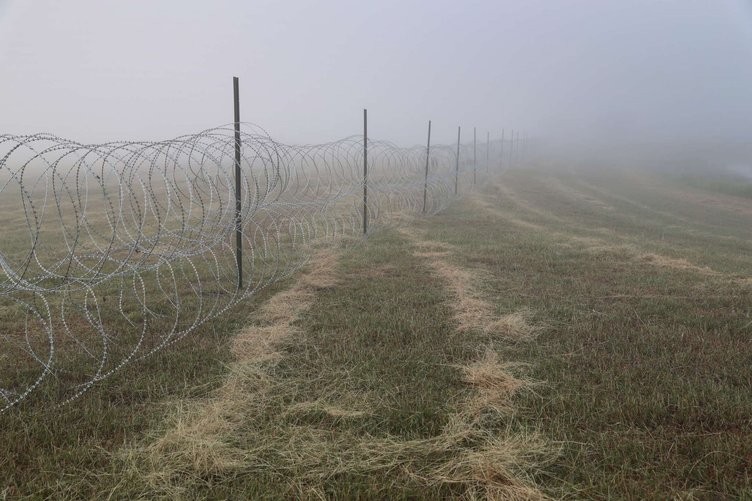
column 475, row 156
column 488, row 151
column 365, row 171
column 501, row 156
column 238, row 226
column 517, row 149
column 457, row 163
column 428, row 154
column 511, row 150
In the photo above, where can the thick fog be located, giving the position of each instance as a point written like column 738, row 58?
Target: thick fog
column 582, row 75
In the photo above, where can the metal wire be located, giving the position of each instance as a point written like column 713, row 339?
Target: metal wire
column 112, row 252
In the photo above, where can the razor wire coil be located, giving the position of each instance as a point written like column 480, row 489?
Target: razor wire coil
column 112, row 252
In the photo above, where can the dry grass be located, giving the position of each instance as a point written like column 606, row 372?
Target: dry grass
column 210, row 438
column 514, row 325
column 277, row 316
column 506, row 216
column 623, row 289
column 471, row 311
column 557, row 186
column 650, row 258
column 593, row 244
column 198, row 441
column 379, row 271
column 465, row 455
column 495, row 470
column 324, row 407
column 675, row 263
column 372, row 392
column 494, row 383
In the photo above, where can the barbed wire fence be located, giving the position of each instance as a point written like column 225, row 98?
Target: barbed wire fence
column 112, row 252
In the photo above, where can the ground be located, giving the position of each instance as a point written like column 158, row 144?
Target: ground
column 551, row 334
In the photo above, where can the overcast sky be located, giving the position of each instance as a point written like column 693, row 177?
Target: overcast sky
column 97, row 70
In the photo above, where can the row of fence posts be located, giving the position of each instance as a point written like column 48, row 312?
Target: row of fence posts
column 514, row 149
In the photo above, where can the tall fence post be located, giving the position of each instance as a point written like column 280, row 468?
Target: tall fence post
column 428, row 154
column 238, row 226
column 475, row 157
column 501, row 159
column 488, row 151
column 457, row 163
column 511, row 150
column 365, row 171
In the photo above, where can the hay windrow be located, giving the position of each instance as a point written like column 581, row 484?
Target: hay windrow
column 198, row 440
column 498, row 468
column 253, row 424
column 591, row 244
column 471, row 311
column 494, row 383
column 675, row 263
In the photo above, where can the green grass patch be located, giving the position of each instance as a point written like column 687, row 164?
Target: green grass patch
column 648, row 368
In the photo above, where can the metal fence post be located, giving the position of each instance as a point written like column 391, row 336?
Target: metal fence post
column 501, row 159
column 428, row 154
column 238, row 225
column 365, row 171
column 488, row 151
column 511, row 150
column 457, row 163
column 475, row 157
column 517, row 153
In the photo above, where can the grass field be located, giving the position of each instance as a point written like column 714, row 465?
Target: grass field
column 571, row 335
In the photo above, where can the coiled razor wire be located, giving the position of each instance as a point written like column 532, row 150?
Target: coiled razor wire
column 112, row 252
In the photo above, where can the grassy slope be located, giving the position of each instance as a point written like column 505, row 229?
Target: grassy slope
column 648, row 366
column 47, row 450
column 729, row 183
column 371, row 344
column 646, row 362
column 368, row 401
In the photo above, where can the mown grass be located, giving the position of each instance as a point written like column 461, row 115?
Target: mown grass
column 49, row 450
column 638, row 287
column 648, row 366
column 732, row 184
column 367, row 398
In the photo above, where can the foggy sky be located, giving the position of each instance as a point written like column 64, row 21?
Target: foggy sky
column 587, row 70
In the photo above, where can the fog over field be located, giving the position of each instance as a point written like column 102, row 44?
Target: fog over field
column 291, row 308
column 654, row 81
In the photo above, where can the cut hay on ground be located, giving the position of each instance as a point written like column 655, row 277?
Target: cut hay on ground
column 471, row 311
column 249, row 426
